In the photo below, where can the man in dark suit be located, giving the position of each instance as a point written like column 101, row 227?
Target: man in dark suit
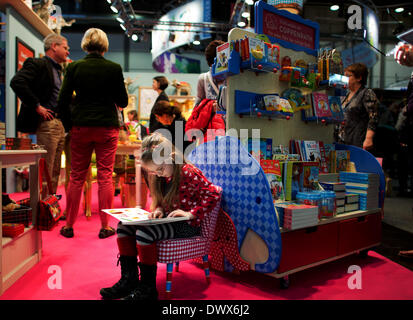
column 37, row 85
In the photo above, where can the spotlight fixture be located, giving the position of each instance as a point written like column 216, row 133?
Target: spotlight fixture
column 197, row 40
column 249, row 2
column 399, row 10
column 116, row 6
column 120, row 20
column 245, row 14
column 135, row 37
column 334, row 7
column 241, row 24
column 123, row 27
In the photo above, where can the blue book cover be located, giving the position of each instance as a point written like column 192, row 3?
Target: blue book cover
column 335, row 107
column 359, row 175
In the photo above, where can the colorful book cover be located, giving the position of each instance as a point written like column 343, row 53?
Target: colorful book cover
column 256, row 51
column 260, row 149
column 312, row 151
column 342, row 160
column 335, row 107
column 272, row 102
column 272, row 170
column 291, row 178
column 266, row 148
column 285, row 106
column 320, row 105
column 297, row 99
column 309, row 176
column 135, row 216
column 222, row 56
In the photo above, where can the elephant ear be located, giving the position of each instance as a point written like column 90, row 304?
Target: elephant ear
column 246, row 197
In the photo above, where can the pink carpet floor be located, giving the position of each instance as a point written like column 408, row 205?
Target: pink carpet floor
column 88, row 263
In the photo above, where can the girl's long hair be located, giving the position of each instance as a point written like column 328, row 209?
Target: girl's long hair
column 149, row 144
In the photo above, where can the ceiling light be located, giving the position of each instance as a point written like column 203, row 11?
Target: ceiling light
column 135, row 37
column 249, row 2
column 109, row 1
column 398, row 10
column 123, row 27
column 334, row 7
column 116, row 6
column 245, row 14
column 241, row 24
column 120, row 20
column 197, row 40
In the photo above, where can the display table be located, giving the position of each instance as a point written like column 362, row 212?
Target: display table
column 19, row 254
column 331, row 239
column 134, row 150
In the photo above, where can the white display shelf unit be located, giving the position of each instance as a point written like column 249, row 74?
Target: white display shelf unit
column 19, row 254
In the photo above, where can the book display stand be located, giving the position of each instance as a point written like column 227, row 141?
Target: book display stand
column 247, row 197
column 21, row 253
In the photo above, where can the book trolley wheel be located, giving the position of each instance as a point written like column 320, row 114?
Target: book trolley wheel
column 284, row 282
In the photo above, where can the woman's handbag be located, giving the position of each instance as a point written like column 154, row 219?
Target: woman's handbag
column 50, row 211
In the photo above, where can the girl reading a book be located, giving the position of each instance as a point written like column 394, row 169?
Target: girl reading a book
column 178, row 189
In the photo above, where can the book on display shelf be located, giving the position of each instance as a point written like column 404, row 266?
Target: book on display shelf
column 352, row 198
column 341, row 160
column 272, row 170
column 320, row 105
column 340, row 202
column 335, row 107
column 340, row 209
column 351, row 207
column 137, row 216
column 328, row 148
column 333, row 186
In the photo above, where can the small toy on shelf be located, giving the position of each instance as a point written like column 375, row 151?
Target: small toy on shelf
column 286, row 70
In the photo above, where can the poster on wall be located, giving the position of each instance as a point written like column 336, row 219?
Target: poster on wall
column 169, row 62
column 23, row 51
column 147, row 98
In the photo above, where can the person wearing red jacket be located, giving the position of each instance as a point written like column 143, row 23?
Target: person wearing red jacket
column 205, row 118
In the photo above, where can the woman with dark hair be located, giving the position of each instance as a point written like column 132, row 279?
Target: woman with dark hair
column 171, row 119
column 159, row 84
column 360, row 107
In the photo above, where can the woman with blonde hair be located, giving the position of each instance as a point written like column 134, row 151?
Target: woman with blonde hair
column 94, row 124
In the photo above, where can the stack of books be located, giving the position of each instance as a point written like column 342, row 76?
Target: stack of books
column 328, row 177
column 352, row 202
column 340, row 190
column 366, row 185
column 300, row 216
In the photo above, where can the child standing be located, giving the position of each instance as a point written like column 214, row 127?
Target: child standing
column 177, row 189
